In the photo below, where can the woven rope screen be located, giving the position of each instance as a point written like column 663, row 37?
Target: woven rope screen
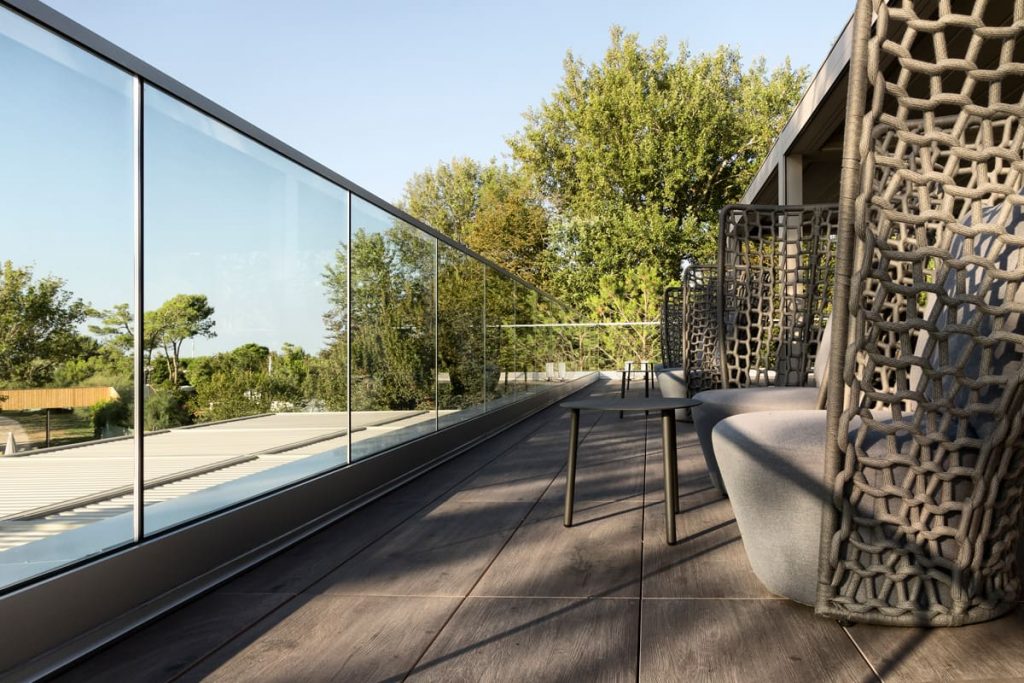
column 672, row 319
column 925, row 421
column 776, row 272
column 701, row 341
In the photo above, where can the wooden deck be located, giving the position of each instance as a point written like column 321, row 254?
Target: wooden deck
column 467, row 574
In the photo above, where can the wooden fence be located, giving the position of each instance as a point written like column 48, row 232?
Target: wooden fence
column 72, row 397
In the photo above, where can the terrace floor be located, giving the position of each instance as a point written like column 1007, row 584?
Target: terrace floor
column 467, row 574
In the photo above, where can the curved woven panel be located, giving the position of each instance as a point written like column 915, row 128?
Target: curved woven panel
column 672, row 328
column 701, row 340
column 928, row 493
column 777, row 269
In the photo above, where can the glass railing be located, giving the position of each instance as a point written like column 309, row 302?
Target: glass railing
column 290, row 322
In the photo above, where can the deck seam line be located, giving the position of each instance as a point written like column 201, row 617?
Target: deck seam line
column 483, row 573
column 863, row 654
column 705, row 597
column 416, row 510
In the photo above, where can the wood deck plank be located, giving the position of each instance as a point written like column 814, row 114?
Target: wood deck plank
column 598, row 556
column 456, row 471
column 708, row 559
column 988, row 652
column 333, row 637
column 743, row 640
column 169, row 646
column 547, row 603
column 442, row 550
column 302, row 565
column 533, row 639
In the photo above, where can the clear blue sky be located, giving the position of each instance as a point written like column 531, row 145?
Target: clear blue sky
column 381, row 90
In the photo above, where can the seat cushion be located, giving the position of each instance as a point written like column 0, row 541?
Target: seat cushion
column 718, row 404
column 772, row 464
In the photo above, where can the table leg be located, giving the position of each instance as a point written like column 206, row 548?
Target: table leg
column 622, row 388
column 668, row 448
column 648, row 380
column 570, row 470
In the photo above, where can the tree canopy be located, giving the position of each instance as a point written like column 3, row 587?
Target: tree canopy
column 39, row 321
column 619, row 176
column 178, row 319
column 637, row 153
column 492, row 208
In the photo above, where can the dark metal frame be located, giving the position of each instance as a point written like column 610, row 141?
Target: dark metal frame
column 670, row 460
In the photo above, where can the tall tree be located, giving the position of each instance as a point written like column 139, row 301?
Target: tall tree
column 494, row 209
column 39, row 319
column 115, row 328
column 637, row 153
column 178, row 319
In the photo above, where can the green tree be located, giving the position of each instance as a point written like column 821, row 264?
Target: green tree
column 636, row 154
column 392, row 320
column 231, row 384
column 115, row 328
column 634, row 296
column 38, row 326
column 179, row 319
column 492, row 208
column 165, row 409
column 106, row 414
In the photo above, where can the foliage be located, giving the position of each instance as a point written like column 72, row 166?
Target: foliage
column 637, row 153
column 631, row 296
column 392, row 319
column 232, row 384
column 251, row 380
column 100, row 369
column 178, row 319
column 460, row 318
column 495, row 210
column 115, row 328
column 165, row 409
column 38, row 326
column 105, row 414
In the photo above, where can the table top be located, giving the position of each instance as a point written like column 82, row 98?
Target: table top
column 630, row 404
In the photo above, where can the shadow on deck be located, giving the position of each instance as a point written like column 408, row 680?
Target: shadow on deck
column 468, row 574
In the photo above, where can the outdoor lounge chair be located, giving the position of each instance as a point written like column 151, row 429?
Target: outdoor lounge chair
column 690, row 340
column 917, row 518
column 775, row 274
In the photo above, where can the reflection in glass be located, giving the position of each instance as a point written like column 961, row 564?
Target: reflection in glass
column 66, row 266
column 547, row 350
column 460, row 335
column 393, row 327
column 272, row 350
column 500, row 338
column 245, row 286
column 529, row 367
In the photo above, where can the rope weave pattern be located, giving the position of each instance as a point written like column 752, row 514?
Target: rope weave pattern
column 928, row 494
column 672, row 322
column 777, row 270
column 701, row 337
